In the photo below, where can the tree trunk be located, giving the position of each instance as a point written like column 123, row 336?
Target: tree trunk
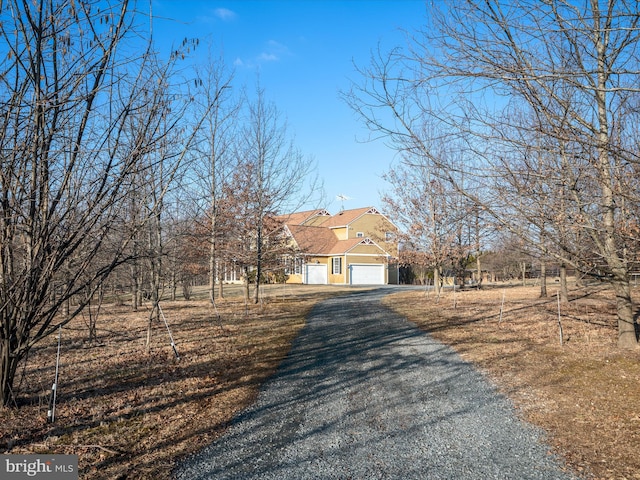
column 8, row 368
column 174, row 283
column 155, row 270
column 66, row 307
column 618, row 266
column 478, row 265
column 256, row 294
column 245, row 283
column 135, row 286
column 543, row 279
column 220, row 283
column 627, row 337
column 564, row 291
column 212, row 259
column 436, row 280
column 154, row 309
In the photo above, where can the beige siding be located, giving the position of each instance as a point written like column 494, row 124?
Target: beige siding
column 341, row 233
column 337, row 279
column 375, row 227
column 316, row 220
column 294, row 278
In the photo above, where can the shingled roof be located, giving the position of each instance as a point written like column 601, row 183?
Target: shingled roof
column 301, row 218
column 322, row 241
column 313, row 230
column 313, row 240
column 345, row 217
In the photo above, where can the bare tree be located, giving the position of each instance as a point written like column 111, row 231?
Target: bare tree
column 215, row 163
column 430, row 218
column 276, row 178
column 69, row 97
column 163, row 177
column 482, row 73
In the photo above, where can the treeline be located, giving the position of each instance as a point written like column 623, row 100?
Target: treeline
column 516, row 120
column 116, row 163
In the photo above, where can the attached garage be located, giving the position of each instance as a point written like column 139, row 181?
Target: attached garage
column 366, row 274
column 315, row 274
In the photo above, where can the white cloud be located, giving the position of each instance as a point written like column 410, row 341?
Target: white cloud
column 273, row 52
column 277, row 47
column 225, row 14
column 268, row 57
column 213, row 16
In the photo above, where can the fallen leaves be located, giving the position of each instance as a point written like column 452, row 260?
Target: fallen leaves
column 128, row 413
column 585, row 393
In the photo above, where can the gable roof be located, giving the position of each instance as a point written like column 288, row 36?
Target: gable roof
column 345, row 217
column 322, row 241
column 344, row 246
column 313, row 240
column 300, row 218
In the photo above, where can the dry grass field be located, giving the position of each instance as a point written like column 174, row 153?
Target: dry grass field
column 129, row 414
column 584, row 393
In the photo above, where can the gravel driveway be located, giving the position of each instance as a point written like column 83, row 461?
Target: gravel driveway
column 365, row 395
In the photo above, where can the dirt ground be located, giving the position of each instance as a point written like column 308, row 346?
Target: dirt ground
column 585, row 392
column 131, row 414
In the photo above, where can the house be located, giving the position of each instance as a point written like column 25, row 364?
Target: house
column 353, row 247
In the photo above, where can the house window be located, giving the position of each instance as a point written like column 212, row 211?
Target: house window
column 360, row 234
column 293, row 265
column 336, row 265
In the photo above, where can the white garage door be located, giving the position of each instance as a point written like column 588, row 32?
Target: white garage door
column 367, row 274
column 316, row 274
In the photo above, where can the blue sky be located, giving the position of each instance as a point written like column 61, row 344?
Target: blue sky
column 304, row 53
